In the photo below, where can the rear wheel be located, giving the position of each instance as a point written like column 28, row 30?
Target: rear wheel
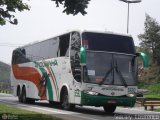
column 65, row 101
column 19, row 94
column 52, row 103
column 31, row 101
column 109, row 109
column 24, row 99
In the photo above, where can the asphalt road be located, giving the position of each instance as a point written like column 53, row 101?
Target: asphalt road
column 82, row 113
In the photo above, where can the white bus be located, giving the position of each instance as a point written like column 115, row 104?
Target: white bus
column 78, row 68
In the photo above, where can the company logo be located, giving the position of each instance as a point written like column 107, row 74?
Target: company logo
column 112, row 88
column 4, row 117
column 9, row 117
column 46, row 64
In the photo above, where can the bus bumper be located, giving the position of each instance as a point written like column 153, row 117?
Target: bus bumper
column 100, row 100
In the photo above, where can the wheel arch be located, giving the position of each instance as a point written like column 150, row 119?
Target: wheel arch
column 64, row 87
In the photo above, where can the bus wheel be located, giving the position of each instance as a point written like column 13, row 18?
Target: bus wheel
column 31, row 101
column 52, row 103
column 19, row 94
column 24, row 99
column 65, row 101
column 109, row 109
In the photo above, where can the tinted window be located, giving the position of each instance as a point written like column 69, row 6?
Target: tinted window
column 63, row 45
column 115, row 68
column 19, row 56
column 108, row 42
column 51, row 48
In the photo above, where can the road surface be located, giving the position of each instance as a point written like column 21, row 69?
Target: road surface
column 82, row 113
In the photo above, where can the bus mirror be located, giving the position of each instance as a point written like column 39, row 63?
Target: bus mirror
column 144, row 58
column 83, row 56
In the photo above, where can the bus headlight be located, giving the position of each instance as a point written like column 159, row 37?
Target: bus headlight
column 91, row 93
column 131, row 95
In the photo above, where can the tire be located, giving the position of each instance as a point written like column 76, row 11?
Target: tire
column 19, row 94
column 65, row 101
column 24, row 99
column 109, row 109
column 30, row 101
column 52, row 102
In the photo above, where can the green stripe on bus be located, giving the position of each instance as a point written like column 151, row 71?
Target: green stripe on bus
column 55, row 80
column 49, row 86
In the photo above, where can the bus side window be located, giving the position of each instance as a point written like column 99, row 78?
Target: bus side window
column 63, row 45
column 14, row 57
column 19, row 56
column 75, row 58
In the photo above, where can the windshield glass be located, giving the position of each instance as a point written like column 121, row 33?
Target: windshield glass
column 108, row 42
column 110, row 68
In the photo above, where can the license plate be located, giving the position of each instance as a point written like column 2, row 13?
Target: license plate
column 111, row 101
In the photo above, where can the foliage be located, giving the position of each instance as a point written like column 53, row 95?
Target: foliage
column 8, row 7
column 150, row 44
column 150, row 79
column 154, row 91
column 73, row 6
column 4, row 71
column 150, row 39
column 157, row 109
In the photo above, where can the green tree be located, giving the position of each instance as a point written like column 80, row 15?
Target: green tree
column 150, row 39
column 73, row 6
column 8, row 7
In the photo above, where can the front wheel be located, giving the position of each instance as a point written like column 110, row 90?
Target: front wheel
column 65, row 102
column 109, row 109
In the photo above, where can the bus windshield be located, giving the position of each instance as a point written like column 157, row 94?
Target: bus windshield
column 110, row 68
column 110, row 59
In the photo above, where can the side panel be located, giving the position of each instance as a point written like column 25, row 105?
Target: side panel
column 44, row 79
column 39, row 67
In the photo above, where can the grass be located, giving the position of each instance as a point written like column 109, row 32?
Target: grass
column 157, row 110
column 154, row 91
column 152, row 96
column 20, row 114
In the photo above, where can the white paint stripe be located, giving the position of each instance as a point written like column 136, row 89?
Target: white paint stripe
column 53, row 111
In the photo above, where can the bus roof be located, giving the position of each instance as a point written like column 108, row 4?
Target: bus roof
column 78, row 30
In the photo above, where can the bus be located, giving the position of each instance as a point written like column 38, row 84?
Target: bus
column 89, row 68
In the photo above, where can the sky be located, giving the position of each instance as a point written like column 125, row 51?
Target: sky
column 45, row 20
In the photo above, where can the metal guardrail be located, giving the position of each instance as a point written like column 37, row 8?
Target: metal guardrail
column 148, row 102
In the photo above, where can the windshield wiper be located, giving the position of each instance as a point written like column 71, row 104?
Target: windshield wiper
column 107, row 74
column 120, row 75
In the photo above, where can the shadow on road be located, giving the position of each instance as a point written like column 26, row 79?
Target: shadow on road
column 78, row 109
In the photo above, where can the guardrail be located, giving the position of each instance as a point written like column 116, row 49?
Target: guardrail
column 148, row 102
